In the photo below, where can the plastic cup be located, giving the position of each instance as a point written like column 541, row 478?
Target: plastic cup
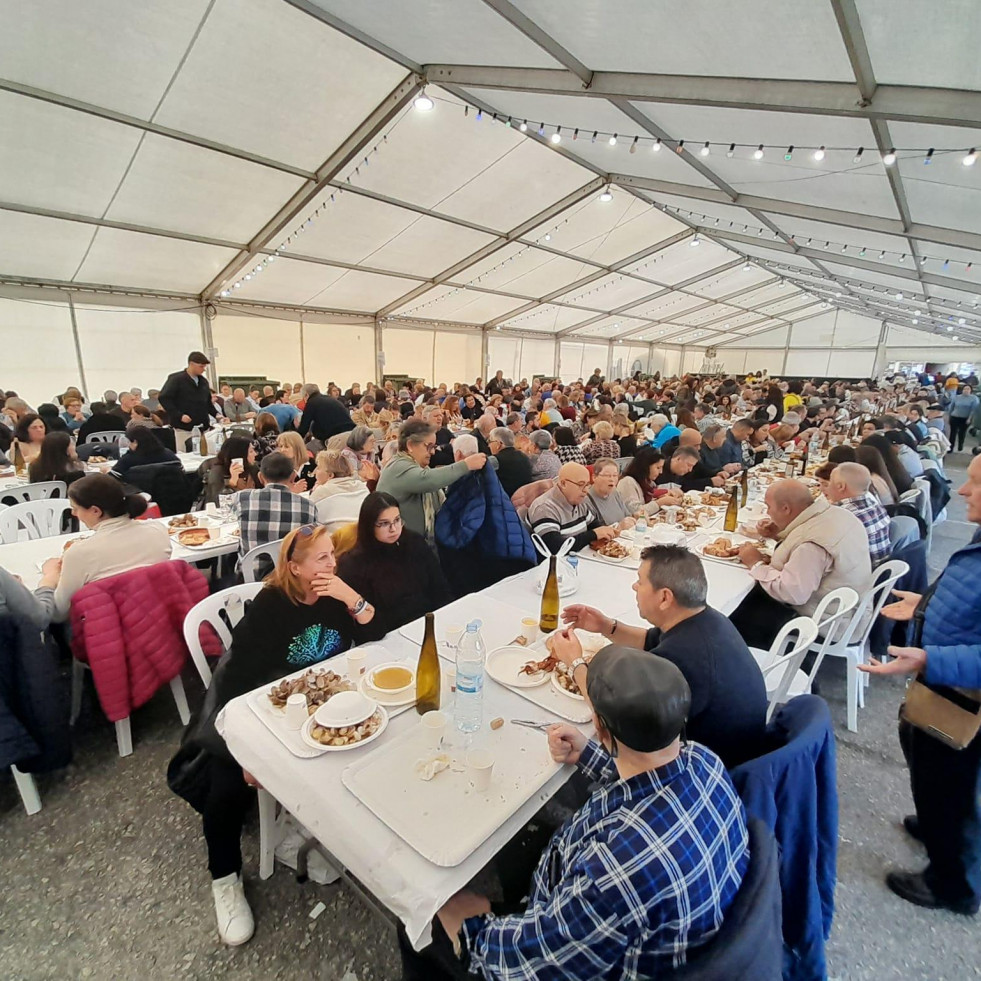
column 529, row 629
column 433, row 725
column 356, row 663
column 296, row 711
column 453, row 635
column 480, row 766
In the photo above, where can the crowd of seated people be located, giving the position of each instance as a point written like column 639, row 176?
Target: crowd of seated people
column 582, row 460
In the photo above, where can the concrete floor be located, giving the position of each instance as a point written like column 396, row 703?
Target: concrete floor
column 109, row 881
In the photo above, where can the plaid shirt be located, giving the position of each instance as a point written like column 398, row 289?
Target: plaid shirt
column 270, row 513
column 873, row 515
column 642, row 872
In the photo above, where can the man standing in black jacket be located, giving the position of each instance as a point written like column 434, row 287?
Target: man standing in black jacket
column 323, row 416
column 186, row 398
column 513, row 466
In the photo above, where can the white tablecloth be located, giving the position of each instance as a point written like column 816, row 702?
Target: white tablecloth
column 25, row 558
column 407, row 884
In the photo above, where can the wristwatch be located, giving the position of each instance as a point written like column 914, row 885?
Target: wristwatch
column 579, row 661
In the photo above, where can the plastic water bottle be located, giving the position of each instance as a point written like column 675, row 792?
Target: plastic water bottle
column 470, row 679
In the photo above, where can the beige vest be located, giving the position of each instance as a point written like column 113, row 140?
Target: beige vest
column 842, row 535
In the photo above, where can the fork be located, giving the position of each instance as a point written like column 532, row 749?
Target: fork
column 543, row 726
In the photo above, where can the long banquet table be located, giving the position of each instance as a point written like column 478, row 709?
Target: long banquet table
column 407, row 884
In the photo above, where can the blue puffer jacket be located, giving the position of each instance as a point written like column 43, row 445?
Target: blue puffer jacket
column 952, row 624
column 477, row 512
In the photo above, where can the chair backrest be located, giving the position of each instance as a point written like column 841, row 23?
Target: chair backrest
column 34, row 492
column 884, row 577
column 786, row 655
column 269, row 550
column 749, row 943
column 106, row 437
column 923, row 504
column 340, row 509
column 903, row 530
column 221, row 612
column 833, row 621
column 33, row 519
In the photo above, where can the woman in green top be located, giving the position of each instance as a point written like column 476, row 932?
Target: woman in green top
column 304, row 614
column 418, row 488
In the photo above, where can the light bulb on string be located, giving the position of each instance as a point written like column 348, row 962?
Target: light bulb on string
column 819, row 153
column 970, row 157
column 613, row 140
column 758, row 152
column 680, row 147
column 556, row 137
column 731, row 150
column 889, row 158
column 704, row 152
column 882, row 254
column 928, row 159
column 657, row 145
column 524, row 126
column 541, row 129
column 789, row 155
column 633, row 146
column 480, row 115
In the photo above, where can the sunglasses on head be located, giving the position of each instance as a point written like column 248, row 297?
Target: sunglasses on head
column 306, row 531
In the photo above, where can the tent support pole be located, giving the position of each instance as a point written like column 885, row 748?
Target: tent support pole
column 78, row 348
column 208, row 344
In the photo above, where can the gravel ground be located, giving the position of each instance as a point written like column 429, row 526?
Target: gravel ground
column 109, row 880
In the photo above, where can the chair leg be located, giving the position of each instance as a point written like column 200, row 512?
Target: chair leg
column 177, row 687
column 853, row 690
column 267, row 833
column 124, row 737
column 78, row 682
column 28, row 790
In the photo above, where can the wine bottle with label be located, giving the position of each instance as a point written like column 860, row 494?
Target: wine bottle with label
column 20, row 467
column 549, row 619
column 203, row 444
column 732, row 510
column 428, row 675
column 744, row 488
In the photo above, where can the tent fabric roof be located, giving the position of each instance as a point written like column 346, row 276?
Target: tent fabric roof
column 269, row 150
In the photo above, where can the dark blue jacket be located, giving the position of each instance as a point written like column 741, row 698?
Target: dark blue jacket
column 952, row 623
column 731, row 451
column 478, row 513
column 793, row 789
column 34, row 731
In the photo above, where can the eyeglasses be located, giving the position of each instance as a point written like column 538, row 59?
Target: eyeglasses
column 575, row 483
column 389, row 525
column 306, row 531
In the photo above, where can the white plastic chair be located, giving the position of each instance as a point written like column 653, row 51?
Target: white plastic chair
column 222, row 612
column 340, row 509
column 40, row 491
column 271, row 549
column 32, row 520
column 781, row 663
column 833, row 621
column 852, row 641
column 113, row 436
column 27, row 789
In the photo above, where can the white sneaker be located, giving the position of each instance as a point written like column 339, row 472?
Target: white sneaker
column 235, row 923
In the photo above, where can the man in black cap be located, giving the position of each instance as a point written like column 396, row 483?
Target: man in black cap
column 186, row 398
column 643, row 872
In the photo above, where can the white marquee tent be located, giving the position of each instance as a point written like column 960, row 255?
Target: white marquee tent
column 638, row 183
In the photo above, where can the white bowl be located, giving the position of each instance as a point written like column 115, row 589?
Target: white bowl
column 346, row 708
column 391, row 664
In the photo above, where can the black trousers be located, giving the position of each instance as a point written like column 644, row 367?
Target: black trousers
column 228, row 802
column 946, row 785
column 958, row 430
column 759, row 617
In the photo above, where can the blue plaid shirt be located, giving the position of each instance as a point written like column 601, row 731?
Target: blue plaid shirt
column 876, row 520
column 644, row 871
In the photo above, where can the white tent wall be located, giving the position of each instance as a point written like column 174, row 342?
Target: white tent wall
column 520, row 357
column 433, row 355
column 38, row 348
column 578, row 360
column 259, row 346
column 456, row 357
column 124, row 347
column 339, row 353
column 628, row 358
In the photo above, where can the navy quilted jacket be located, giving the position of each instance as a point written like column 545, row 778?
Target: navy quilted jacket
column 478, row 512
column 952, row 623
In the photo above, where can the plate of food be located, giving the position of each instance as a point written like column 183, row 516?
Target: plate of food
column 338, row 738
column 725, row 549
column 318, row 686
column 610, row 549
column 515, row 667
column 563, row 681
column 194, row 538
column 180, row 521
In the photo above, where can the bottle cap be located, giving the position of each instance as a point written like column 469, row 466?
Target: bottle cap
column 473, row 626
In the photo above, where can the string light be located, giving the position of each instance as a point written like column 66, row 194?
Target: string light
column 613, row 140
column 732, row 150
column 858, row 155
column 556, row 137
column 705, row 150
column 758, row 152
column 789, row 155
column 656, row 145
column 680, row 148
column 928, row 159
column 889, row 158
column 633, row 146
column 819, row 153
column 970, row 157
column 524, row 126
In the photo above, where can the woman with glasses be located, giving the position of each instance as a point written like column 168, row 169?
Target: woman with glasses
column 392, row 567
column 417, row 488
column 304, row 614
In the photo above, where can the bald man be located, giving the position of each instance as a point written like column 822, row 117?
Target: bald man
column 848, row 487
column 819, row 548
column 562, row 512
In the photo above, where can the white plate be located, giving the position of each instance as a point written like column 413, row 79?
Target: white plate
column 313, row 744
column 407, row 697
column 504, row 666
column 559, row 688
column 211, row 543
column 700, row 550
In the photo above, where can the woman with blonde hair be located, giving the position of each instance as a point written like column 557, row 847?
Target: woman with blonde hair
column 333, row 475
column 602, row 444
column 304, row 614
column 360, row 450
column 291, row 443
column 451, row 412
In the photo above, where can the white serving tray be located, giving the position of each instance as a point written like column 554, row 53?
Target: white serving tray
column 500, row 623
column 445, row 819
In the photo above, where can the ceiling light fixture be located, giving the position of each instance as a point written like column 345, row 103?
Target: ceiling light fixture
column 422, row 102
column 607, row 194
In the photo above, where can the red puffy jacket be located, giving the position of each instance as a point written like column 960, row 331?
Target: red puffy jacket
column 128, row 629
